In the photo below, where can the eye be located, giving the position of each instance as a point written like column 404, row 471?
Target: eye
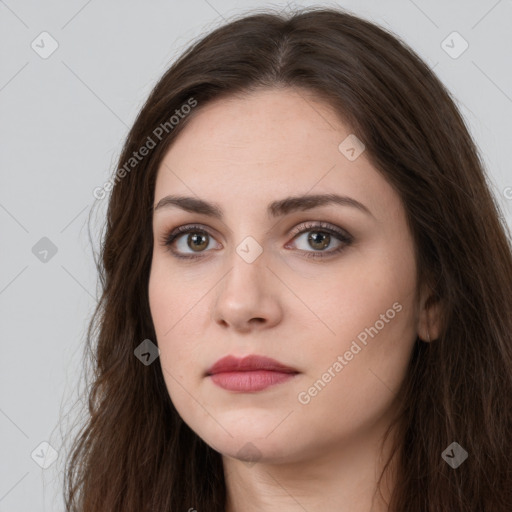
column 319, row 236
column 197, row 240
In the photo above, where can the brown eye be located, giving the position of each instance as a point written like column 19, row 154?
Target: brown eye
column 319, row 240
column 320, row 236
column 197, row 242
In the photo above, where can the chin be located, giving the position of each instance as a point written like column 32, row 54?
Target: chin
column 252, row 450
column 250, row 442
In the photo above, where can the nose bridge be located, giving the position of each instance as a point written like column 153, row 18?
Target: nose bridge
column 246, row 292
column 248, row 264
column 247, row 257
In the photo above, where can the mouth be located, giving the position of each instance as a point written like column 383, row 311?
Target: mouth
column 252, row 373
column 247, row 381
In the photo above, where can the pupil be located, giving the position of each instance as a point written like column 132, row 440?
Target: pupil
column 198, row 241
column 323, row 241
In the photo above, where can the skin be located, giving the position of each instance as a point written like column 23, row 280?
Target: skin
column 243, row 153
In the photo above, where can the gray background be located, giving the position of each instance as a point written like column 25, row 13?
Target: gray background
column 63, row 121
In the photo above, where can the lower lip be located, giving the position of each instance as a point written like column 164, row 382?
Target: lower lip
column 250, row 380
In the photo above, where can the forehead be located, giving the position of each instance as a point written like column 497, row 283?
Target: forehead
column 264, row 146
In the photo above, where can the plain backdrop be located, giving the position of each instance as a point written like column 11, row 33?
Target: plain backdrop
column 63, row 119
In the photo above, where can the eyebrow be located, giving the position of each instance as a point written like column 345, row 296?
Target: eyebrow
column 275, row 209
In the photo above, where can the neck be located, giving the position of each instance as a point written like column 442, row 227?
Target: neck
column 342, row 478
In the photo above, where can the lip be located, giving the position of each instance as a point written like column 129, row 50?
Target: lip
column 251, row 373
column 248, row 364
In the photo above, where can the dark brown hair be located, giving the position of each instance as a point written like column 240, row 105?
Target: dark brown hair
column 135, row 453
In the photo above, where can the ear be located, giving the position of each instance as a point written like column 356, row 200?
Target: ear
column 429, row 319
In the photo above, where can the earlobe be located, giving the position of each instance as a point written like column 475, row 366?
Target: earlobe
column 429, row 323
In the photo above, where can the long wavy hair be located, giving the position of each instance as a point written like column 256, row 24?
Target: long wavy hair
column 134, row 453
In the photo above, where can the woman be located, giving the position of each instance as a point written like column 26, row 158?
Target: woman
column 301, row 223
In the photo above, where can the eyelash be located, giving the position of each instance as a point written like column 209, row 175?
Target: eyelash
column 169, row 238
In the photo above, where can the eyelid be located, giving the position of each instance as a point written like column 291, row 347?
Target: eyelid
column 320, row 226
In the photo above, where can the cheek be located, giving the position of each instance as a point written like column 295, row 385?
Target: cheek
column 360, row 291
column 172, row 300
column 176, row 311
column 369, row 308
column 161, row 300
column 166, row 311
column 351, row 394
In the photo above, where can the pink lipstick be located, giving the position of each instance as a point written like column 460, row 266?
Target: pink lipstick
column 251, row 373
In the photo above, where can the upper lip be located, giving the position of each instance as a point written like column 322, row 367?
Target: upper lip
column 248, row 363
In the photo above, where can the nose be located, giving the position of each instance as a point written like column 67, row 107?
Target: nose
column 248, row 297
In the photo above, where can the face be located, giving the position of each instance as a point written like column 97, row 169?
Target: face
column 327, row 289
